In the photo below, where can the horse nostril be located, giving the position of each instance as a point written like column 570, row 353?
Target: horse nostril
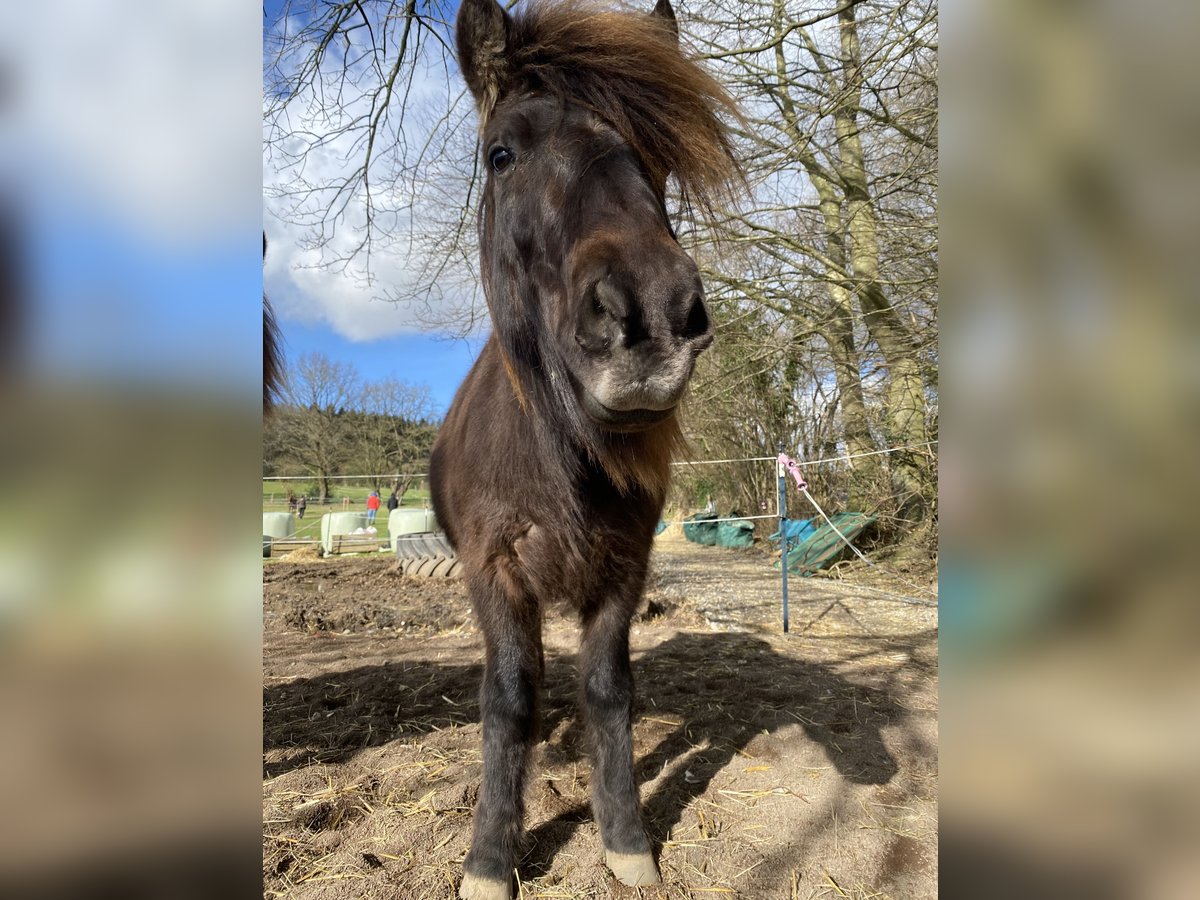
column 697, row 324
column 609, row 299
column 600, row 322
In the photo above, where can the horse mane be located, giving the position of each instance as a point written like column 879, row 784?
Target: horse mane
column 627, row 68
column 272, row 351
column 643, row 460
column 272, row 362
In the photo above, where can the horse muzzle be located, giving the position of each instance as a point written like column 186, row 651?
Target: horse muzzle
column 625, row 420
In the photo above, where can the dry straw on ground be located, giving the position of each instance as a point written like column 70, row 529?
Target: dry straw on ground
column 797, row 766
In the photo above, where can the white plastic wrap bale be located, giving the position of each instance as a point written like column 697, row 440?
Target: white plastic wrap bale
column 336, row 523
column 279, row 524
column 414, row 534
column 411, row 521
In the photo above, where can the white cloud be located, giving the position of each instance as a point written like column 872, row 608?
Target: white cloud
column 303, row 292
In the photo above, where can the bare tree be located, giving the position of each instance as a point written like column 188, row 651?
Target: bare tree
column 824, row 282
column 835, row 259
column 371, row 147
column 310, row 427
column 392, row 433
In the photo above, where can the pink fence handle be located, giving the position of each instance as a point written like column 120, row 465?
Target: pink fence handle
column 794, row 468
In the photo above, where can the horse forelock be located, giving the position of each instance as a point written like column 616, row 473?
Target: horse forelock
column 627, row 68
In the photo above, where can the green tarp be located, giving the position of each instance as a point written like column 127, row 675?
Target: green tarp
column 823, row 546
column 703, row 529
column 735, row 535
column 700, row 529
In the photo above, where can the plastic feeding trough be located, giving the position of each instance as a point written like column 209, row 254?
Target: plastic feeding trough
column 711, row 530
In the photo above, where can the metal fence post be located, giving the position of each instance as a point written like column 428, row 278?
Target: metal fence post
column 783, row 541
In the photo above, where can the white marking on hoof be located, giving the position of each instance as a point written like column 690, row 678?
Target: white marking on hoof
column 475, row 888
column 633, row 868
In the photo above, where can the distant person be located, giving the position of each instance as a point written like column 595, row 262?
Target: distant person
column 372, row 507
column 301, row 505
column 291, row 502
column 393, row 501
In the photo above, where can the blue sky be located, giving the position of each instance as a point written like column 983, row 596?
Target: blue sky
column 142, row 233
column 436, row 360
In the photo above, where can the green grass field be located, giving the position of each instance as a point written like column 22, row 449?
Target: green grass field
column 346, row 498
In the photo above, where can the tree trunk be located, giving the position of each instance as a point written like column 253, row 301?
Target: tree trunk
column 905, row 416
column 847, row 362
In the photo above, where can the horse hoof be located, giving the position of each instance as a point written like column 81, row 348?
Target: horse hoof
column 633, row 868
column 475, row 888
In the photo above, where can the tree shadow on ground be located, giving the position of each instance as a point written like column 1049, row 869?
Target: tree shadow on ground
column 728, row 689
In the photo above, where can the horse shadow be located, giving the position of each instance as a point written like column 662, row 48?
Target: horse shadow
column 330, row 717
column 745, row 686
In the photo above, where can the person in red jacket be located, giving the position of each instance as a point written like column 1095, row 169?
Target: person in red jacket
column 372, row 507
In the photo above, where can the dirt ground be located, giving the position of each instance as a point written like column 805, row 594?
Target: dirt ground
column 771, row 766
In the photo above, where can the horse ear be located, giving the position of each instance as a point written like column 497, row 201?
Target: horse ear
column 663, row 11
column 481, row 32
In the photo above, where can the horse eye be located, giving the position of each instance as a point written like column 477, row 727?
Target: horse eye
column 501, row 158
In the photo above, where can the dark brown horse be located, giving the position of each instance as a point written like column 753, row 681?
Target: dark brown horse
column 551, row 469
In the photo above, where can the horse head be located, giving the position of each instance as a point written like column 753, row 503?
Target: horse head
column 582, row 120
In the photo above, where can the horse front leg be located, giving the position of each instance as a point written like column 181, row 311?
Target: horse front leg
column 607, row 692
column 511, row 626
